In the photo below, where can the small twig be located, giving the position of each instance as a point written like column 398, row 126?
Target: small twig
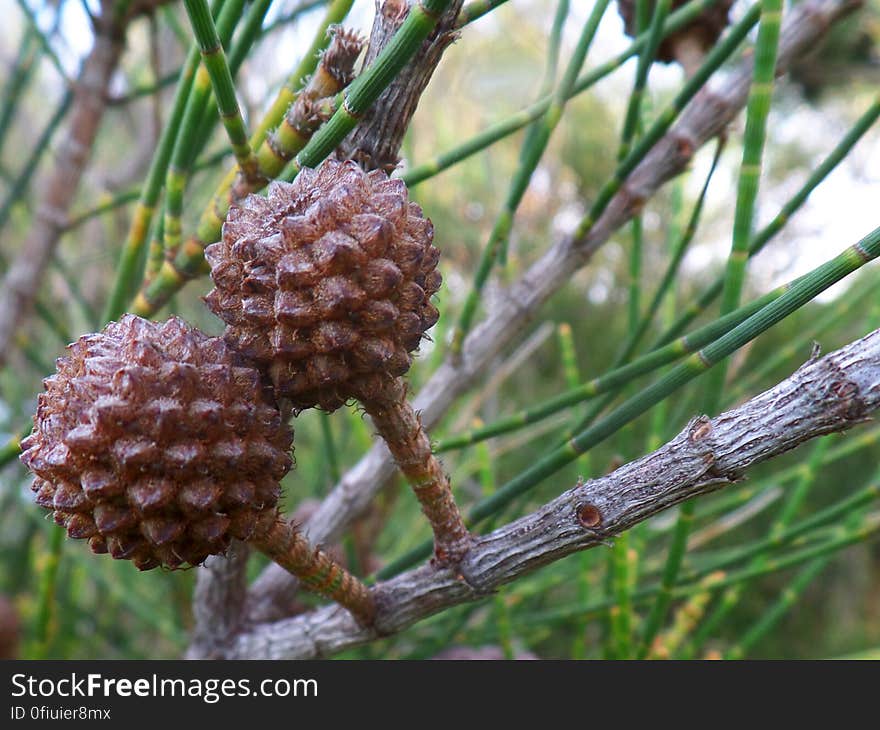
column 410, row 446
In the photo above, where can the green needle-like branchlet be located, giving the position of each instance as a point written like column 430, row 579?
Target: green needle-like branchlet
column 189, row 136
column 133, row 250
column 614, row 379
column 214, row 60
column 21, row 184
column 476, row 9
column 793, row 349
column 19, row 77
column 353, row 102
column 795, row 498
column 45, row 619
column 45, row 43
column 526, row 116
column 678, row 252
column 621, row 573
column 531, row 155
column 718, row 55
column 783, row 604
column 646, row 58
column 805, row 478
column 176, row 272
column 757, row 111
column 839, row 153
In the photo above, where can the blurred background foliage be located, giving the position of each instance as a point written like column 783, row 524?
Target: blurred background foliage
column 104, row 608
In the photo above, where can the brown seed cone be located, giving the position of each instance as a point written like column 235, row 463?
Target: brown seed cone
column 701, row 33
column 157, row 444
column 326, row 282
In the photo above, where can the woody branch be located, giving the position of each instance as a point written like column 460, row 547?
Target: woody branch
column 832, row 393
column 702, row 120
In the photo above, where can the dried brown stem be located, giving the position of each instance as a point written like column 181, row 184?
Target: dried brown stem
column 410, row 446
column 316, row 570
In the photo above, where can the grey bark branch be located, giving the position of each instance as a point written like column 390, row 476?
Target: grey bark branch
column 91, row 91
column 703, row 119
column 830, row 394
column 376, row 141
column 218, row 603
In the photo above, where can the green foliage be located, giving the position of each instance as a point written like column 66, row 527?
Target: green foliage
column 767, row 549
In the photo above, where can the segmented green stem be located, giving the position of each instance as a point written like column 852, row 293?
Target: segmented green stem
column 623, row 557
column 793, row 502
column 202, row 121
column 615, row 378
column 41, row 38
column 677, row 255
column 801, row 343
column 836, row 539
column 422, row 19
column 531, row 155
column 19, row 77
column 175, row 273
column 190, row 133
column 188, row 263
column 646, row 59
column 123, row 198
column 790, row 596
column 633, row 340
column 524, row 117
column 44, row 621
column 336, row 13
column 807, row 476
column 214, row 60
column 655, row 618
column 128, row 270
column 554, row 43
column 839, row 153
column 573, row 379
column 476, row 9
column 720, row 53
column 757, row 111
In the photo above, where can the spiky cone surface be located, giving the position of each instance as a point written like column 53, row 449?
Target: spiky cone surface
column 701, row 34
column 157, row 444
column 326, row 282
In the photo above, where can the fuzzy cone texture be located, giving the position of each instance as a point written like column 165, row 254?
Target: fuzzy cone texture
column 327, row 282
column 704, row 31
column 155, row 444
